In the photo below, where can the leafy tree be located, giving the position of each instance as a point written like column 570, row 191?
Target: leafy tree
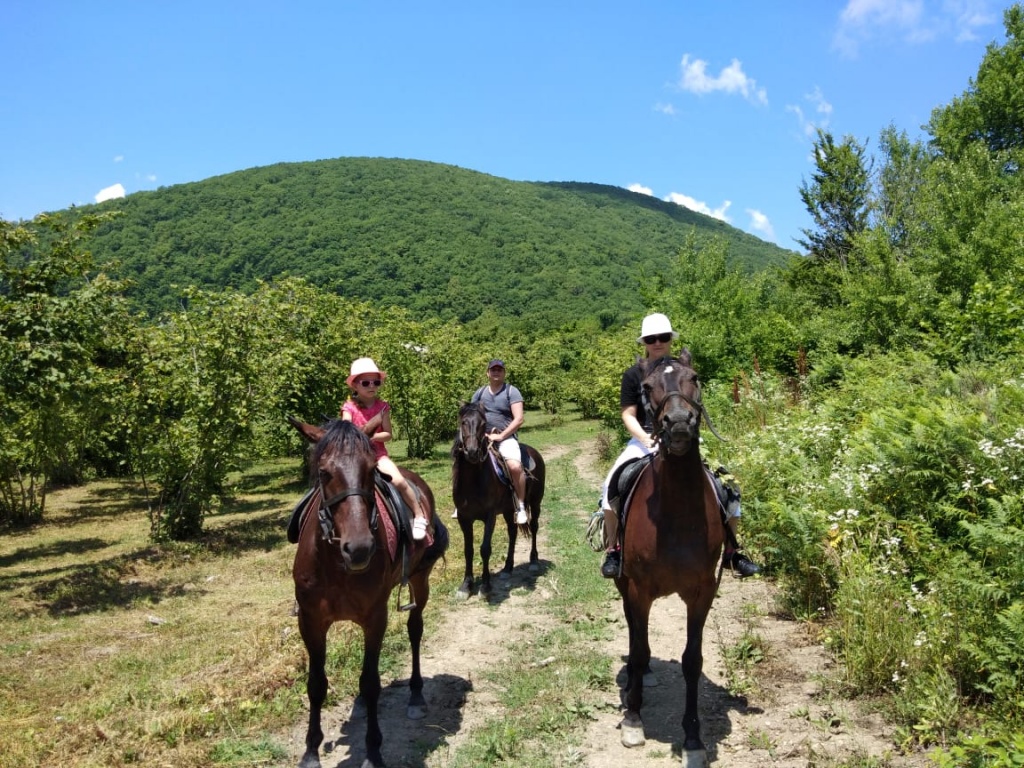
column 991, row 111
column 837, row 198
column 58, row 329
column 201, row 381
column 430, row 369
column 726, row 318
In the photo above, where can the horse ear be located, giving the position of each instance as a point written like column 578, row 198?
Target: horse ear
column 308, row 431
column 685, row 358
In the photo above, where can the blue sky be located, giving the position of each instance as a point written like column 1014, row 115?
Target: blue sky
column 712, row 105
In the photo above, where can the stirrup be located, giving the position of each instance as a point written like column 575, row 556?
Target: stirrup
column 399, row 605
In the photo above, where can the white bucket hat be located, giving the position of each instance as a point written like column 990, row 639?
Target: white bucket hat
column 655, row 324
column 363, row 366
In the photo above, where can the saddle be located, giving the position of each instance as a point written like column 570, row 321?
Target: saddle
column 623, row 480
column 626, row 477
column 398, row 511
column 501, row 469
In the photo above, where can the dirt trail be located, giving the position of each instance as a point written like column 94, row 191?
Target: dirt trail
column 785, row 719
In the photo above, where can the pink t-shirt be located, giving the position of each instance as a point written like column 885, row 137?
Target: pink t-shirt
column 360, row 416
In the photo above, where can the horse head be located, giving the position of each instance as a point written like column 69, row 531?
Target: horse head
column 672, row 393
column 471, row 441
column 342, row 468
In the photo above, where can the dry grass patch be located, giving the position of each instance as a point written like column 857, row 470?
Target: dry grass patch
column 115, row 651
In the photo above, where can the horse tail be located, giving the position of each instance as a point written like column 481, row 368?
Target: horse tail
column 437, row 549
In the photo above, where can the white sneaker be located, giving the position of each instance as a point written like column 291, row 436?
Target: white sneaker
column 521, row 517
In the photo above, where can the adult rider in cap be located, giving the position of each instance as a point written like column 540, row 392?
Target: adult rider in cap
column 503, row 409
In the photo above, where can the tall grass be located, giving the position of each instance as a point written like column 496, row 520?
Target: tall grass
column 889, row 504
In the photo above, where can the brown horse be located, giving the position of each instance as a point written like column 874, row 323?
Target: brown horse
column 481, row 494
column 344, row 571
column 672, row 542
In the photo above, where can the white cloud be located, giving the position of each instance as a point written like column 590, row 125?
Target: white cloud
column 821, row 108
column 118, row 158
column 731, row 79
column 700, row 207
column 760, row 223
column 109, row 193
column 640, row 188
column 909, row 21
column 665, row 109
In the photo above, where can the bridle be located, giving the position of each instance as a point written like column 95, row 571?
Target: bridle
column 460, row 442
column 327, row 519
column 655, row 413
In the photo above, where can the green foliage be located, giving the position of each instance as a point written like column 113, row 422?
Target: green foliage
column 991, row 111
column 995, row 747
column 730, row 321
column 875, row 628
column 201, row 379
column 439, row 241
column 837, row 198
column 430, row 370
column 59, row 337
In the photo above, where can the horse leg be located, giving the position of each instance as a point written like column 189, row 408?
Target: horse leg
column 466, row 588
column 638, row 610
column 485, row 556
column 315, row 639
column 693, row 662
column 369, row 683
column 420, row 584
column 534, row 522
column 510, row 555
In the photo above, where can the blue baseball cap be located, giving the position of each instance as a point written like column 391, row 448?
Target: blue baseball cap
column 495, row 363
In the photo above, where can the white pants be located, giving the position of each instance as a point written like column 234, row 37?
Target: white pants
column 509, row 448
column 634, row 450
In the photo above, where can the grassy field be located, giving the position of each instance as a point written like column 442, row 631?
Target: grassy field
column 116, row 652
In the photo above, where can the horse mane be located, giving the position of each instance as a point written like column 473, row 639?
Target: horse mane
column 342, row 436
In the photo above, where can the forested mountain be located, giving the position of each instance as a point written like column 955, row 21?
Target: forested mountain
column 438, row 240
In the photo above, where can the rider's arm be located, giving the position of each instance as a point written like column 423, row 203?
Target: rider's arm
column 382, row 432
column 633, row 426
column 513, row 426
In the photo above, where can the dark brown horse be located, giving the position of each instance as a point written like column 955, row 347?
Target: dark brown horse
column 672, row 542
column 481, row 494
column 344, row 571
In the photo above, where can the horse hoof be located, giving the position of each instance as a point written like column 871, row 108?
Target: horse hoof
column 416, row 711
column 534, row 567
column 695, row 758
column 310, row 760
column 462, row 594
column 368, row 763
column 632, row 732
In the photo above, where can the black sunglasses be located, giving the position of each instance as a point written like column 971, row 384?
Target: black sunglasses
column 661, row 338
column 370, row 382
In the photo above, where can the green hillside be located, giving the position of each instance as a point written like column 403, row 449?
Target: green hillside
column 439, row 240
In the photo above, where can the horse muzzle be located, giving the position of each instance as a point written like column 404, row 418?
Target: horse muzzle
column 679, row 431
column 475, row 455
column 357, row 555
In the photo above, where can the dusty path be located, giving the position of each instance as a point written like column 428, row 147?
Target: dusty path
column 785, row 717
